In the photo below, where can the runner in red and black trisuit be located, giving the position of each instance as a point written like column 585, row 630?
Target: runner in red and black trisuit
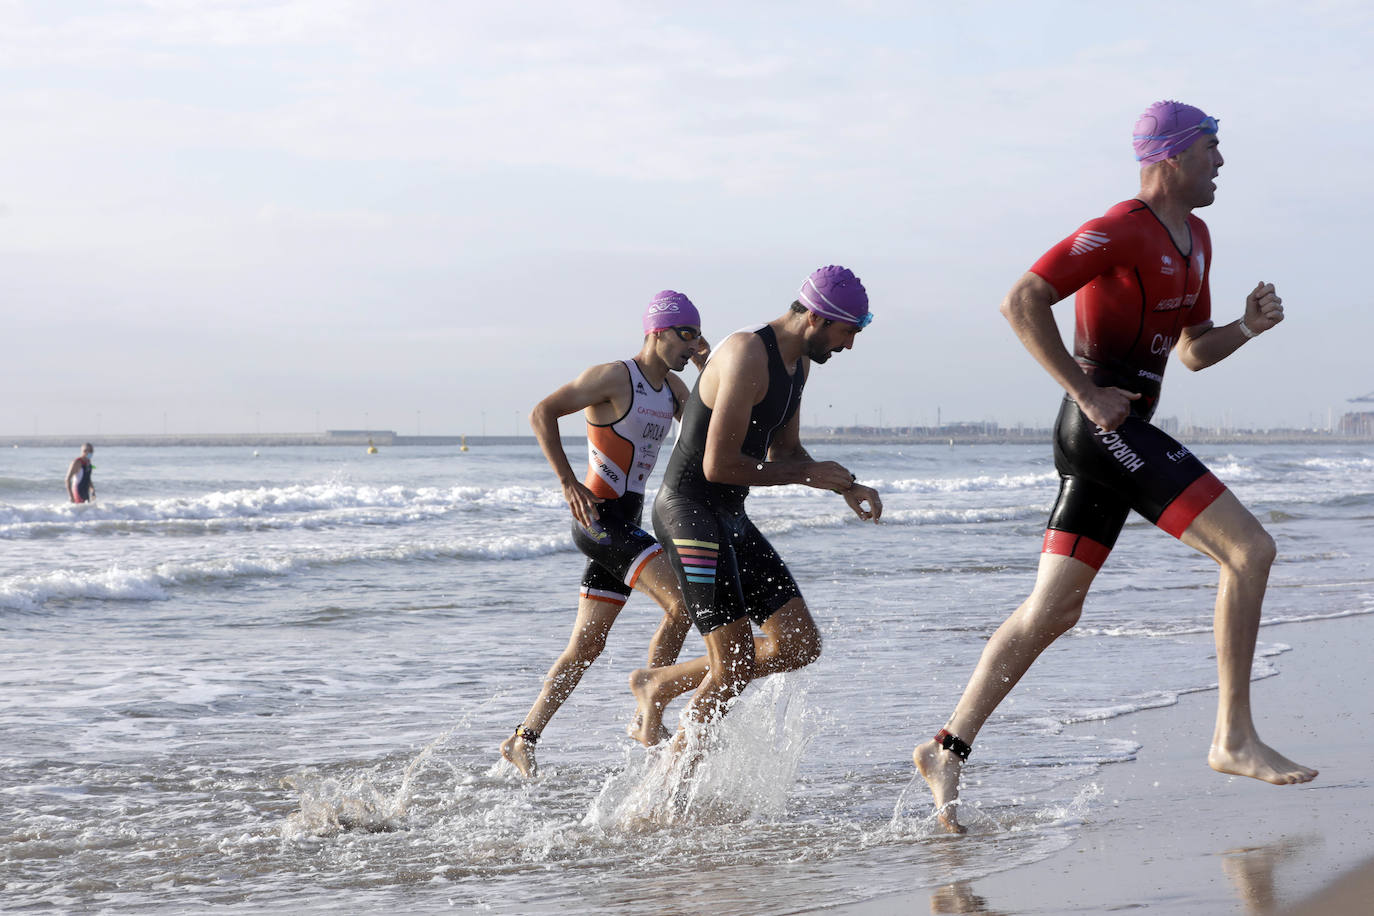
column 1140, row 273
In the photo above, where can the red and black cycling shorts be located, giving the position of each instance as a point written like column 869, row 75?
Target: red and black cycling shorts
column 1104, row 475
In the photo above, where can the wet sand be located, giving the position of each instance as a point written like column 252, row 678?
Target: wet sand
column 1169, row 835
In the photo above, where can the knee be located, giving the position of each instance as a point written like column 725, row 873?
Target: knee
column 1261, row 551
column 797, row 647
column 807, row 647
column 730, row 679
column 675, row 611
column 1052, row 618
column 1253, row 554
column 585, row 649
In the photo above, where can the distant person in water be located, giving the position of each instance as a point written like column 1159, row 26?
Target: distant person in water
column 629, row 406
column 80, row 487
column 741, row 429
column 1141, row 276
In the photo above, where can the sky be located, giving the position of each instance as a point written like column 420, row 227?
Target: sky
column 223, row 216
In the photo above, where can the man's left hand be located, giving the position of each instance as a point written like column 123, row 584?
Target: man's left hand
column 857, row 495
column 1263, row 308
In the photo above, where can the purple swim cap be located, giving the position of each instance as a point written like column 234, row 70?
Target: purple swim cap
column 669, row 309
column 834, row 292
column 1167, row 129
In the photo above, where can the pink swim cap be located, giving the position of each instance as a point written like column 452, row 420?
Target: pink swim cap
column 834, row 292
column 669, row 309
column 1167, row 129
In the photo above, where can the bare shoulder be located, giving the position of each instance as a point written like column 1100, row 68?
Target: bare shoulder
column 604, row 378
column 604, row 383
column 740, row 349
column 739, row 366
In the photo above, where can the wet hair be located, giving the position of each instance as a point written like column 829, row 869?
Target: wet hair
column 796, row 308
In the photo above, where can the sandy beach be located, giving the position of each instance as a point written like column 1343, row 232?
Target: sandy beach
column 1169, row 835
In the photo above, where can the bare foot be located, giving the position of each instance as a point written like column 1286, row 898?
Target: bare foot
column 520, row 753
column 941, row 771
column 647, row 727
column 636, row 730
column 1252, row 757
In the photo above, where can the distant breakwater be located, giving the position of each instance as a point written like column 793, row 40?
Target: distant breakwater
column 836, row 435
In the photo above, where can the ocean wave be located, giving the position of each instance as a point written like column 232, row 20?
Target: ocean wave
column 977, row 484
column 901, row 517
column 1339, row 464
column 314, row 506
column 160, row 582
column 20, row 485
column 1165, row 630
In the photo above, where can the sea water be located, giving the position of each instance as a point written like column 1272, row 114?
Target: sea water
column 276, row 679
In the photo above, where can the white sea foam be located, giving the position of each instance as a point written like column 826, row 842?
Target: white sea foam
column 842, row 518
column 158, row 582
column 1339, row 464
column 988, row 483
column 313, row 506
column 1166, row 628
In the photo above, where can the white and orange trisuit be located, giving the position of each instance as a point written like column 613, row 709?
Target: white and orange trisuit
column 620, row 457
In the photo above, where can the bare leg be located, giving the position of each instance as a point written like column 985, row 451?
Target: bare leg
column 594, row 619
column 1230, row 535
column 1051, row 611
column 660, row 582
column 790, row 640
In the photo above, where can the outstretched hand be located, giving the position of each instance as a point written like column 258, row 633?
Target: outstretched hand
column 1108, row 407
column 857, row 495
column 1263, row 308
column 582, row 502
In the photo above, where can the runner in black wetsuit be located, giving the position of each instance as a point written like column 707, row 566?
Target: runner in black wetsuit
column 740, row 429
column 629, row 406
column 1141, row 274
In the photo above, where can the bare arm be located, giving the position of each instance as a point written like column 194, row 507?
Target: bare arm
column 680, row 394
column 1206, row 345
column 598, row 385
column 1028, row 308
column 732, row 384
column 736, row 380
column 71, row 475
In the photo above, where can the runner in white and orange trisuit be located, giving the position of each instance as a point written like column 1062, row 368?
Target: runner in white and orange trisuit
column 629, row 406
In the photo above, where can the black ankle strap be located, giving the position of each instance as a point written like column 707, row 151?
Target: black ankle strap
column 953, row 743
column 529, row 735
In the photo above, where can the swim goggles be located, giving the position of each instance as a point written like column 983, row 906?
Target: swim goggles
column 685, row 332
column 1207, row 125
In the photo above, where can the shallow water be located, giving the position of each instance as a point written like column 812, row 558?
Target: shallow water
column 279, row 681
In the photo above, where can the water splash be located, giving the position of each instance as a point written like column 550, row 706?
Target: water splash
column 741, row 769
column 329, row 805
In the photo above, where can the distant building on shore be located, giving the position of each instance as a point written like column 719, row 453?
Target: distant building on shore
column 1358, row 425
